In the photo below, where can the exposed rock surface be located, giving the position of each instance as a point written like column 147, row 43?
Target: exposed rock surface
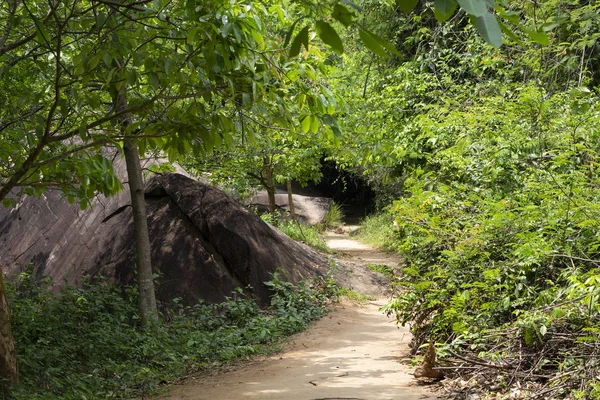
column 204, row 244
column 308, row 209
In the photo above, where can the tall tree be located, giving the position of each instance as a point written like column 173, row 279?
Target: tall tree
column 9, row 373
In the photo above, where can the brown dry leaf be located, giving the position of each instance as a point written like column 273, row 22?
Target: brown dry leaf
column 427, row 367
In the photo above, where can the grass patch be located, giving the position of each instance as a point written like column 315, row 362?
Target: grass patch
column 308, row 235
column 355, row 296
column 86, row 343
column 334, row 216
column 378, row 231
column 385, row 270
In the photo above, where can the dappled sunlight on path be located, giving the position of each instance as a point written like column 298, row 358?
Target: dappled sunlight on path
column 353, row 353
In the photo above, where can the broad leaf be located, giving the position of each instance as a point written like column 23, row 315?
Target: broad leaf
column 342, row 15
column 489, row 29
column 330, row 37
column 477, row 8
column 300, row 39
column 372, row 44
column 306, row 124
column 538, row 37
column 288, row 36
column 377, row 44
column 444, row 9
column 407, row 5
column 509, row 33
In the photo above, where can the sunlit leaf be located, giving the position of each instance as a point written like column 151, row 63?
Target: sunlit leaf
column 330, row 37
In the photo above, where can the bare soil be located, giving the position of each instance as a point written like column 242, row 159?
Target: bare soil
column 353, row 353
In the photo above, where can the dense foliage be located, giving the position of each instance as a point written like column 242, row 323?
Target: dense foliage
column 485, row 161
column 86, row 343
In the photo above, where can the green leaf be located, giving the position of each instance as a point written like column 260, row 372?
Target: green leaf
column 314, row 124
column 342, row 15
column 288, row 36
column 407, row 5
column 107, row 58
column 538, row 37
column 192, row 35
column 154, row 80
column 489, row 29
column 306, row 124
column 169, row 66
column 300, row 39
column 330, row 37
column 444, row 9
column 376, row 44
column 477, row 8
column 42, row 33
column 509, row 33
column 528, row 336
column 557, row 313
column 7, row 203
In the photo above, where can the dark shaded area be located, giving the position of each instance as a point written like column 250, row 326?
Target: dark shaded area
column 346, row 188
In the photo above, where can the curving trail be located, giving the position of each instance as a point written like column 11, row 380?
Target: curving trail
column 353, row 353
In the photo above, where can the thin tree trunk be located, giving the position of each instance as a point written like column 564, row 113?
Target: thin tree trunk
column 291, row 200
column 147, row 297
column 9, row 371
column 269, row 184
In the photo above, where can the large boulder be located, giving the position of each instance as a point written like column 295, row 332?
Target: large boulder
column 204, row 244
column 308, row 209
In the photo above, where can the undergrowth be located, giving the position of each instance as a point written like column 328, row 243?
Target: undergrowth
column 355, row 296
column 377, row 230
column 500, row 236
column 309, row 235
column 85, row 343
column 334, row 216
column 383, row 269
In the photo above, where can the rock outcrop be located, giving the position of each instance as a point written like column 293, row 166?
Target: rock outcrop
column 204, row 244
column 308, row 209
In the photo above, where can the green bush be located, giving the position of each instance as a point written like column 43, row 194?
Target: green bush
column 308, row 235
column 500, row 233
column 383, row 269
column 86, row 343
column 378, row 231
column 334, row 216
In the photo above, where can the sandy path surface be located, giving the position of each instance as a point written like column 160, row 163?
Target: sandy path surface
column 353, row 353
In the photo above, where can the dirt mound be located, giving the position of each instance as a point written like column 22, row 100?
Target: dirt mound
column 204, row 244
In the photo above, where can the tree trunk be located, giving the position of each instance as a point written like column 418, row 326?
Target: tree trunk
column 269, row 184
column 291, row 200
column 147, row 302
column 147, row 298
column 9, row 372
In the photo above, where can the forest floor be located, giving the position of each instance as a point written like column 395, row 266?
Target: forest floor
column 354, row 353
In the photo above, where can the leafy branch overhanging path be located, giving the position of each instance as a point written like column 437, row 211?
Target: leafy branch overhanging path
column 355, row 352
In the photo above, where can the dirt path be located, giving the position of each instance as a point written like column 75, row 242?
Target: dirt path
column 354, row 353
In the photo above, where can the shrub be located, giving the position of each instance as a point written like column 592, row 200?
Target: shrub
column 85, row 343
column 334, row 216
column 308, row 235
